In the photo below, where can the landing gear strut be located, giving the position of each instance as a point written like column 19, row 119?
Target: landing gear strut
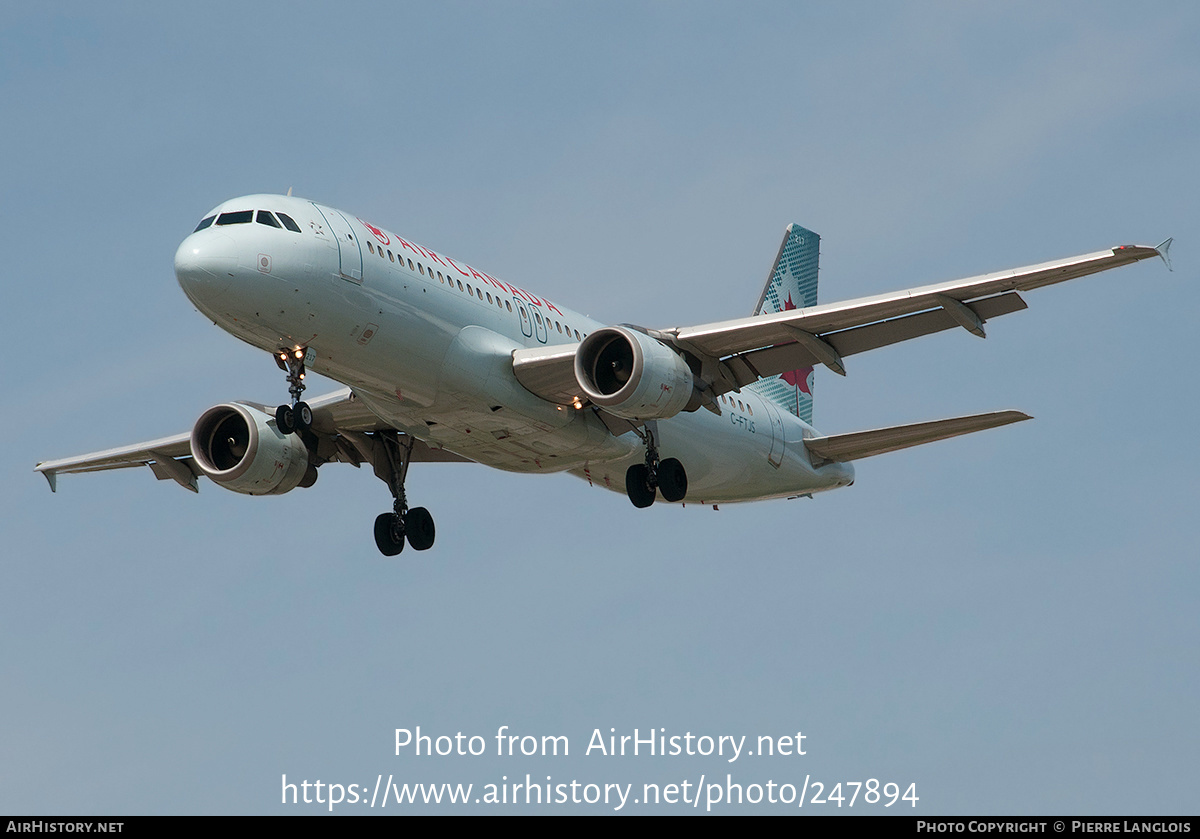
column 297, row 416
column 666, row 476
column 394, row 528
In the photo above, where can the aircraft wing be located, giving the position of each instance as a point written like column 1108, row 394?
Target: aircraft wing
column 734, row 353
column 340, row 424
column 766, row 345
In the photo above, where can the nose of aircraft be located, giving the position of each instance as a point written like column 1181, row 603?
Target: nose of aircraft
column 204, row 265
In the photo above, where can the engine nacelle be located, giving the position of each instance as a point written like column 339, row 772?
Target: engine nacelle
column 240, row 448
column 633, row 375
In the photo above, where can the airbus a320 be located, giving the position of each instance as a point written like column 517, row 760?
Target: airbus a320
column 445, row 362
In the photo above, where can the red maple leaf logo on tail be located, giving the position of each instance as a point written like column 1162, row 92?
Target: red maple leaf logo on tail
column 796, row 378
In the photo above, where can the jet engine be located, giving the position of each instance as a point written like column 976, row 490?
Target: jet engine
column 633, row 375
column 239, row 447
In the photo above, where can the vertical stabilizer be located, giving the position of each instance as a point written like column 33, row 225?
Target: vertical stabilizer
column 792, row 284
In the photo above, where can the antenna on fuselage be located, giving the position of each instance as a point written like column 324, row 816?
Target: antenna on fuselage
column 289, row 192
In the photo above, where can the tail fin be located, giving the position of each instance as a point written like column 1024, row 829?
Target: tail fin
column 792, row 284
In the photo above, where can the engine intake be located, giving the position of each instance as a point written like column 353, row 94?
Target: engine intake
column 239, row 447
column 633, row 375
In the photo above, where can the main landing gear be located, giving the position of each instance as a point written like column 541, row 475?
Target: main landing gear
column 297, row 416
column 394, row 528
column 667, row 476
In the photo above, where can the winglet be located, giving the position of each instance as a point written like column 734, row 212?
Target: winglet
column 51, row 477
column 1162, row 249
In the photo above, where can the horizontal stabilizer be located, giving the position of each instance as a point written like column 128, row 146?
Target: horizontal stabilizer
column 860, row 444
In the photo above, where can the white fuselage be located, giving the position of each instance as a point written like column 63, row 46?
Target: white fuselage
column 426, row 342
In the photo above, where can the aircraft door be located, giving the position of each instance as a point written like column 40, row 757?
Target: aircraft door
column 778, row 441
column 526, row 320
column 349, row 249
column 540, row 326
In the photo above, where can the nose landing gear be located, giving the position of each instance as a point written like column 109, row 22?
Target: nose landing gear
column 666, row 476
column 297, row 416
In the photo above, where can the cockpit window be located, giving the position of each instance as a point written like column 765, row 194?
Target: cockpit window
column 266, row 218
column 288, row 223
column 240, row 217
column 204, row 222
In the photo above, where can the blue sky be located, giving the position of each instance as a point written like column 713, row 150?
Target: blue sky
column 1008, row 620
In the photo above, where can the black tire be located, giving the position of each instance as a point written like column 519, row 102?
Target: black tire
column 302, row 416
column 285, row 419
column 418, row 527
column 672, row 480
column 637, row 485
column 389, row 534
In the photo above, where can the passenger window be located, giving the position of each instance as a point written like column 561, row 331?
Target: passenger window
column 240, row 217
column 489, row 297
column 559, row 325
column 749, row 410
column 469, row 292
column 460, row 285
column 577, row 338
column 410, row 266
column 421, row 268
column 508, row 305
column 479, row 293
column 266, row 218
column 288, row 223
column 390, row 257
column 539, row 318
column 371, row 248
column 204, row 222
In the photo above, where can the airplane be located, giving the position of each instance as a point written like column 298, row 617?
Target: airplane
column 445, row 362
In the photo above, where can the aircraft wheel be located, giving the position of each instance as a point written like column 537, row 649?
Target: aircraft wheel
column 285, row 419
column 418, row 527
column 672, row 480
column 302, row 415
column 389, row 534
column 637, row 485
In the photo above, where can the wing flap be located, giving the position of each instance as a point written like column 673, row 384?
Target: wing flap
column 860, row 444
column 772, row 361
